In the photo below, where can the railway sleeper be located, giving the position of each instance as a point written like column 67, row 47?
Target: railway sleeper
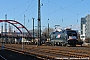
column 79, row 56
column 70, row 54
column 32, row 52
column 50, row 57
column 85, row 55
column 64, row 54
column 75, row 54
column 40, row 57
column 46, row 51
column 43, row 55
column 82, row 56
column 52, row 52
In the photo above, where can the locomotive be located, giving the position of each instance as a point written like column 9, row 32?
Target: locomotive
column 65, row 37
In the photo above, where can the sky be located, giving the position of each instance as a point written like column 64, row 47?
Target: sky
column 55, row 12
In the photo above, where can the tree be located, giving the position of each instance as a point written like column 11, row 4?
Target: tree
column 45, row 32
column 35, row 32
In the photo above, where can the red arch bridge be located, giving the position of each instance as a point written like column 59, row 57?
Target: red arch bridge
column 14, row 34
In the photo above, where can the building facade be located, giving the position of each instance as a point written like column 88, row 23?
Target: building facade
column 85, row 27
column 83, row 22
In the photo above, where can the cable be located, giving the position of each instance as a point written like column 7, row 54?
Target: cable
column 15, row 7
column 24, row 12
column 29, row 5
column 64, row 7
column 76, row 14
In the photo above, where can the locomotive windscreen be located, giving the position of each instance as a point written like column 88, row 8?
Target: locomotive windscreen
column 72, row 33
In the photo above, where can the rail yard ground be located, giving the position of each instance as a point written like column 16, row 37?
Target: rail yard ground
column 10, row 55
column 45, row 52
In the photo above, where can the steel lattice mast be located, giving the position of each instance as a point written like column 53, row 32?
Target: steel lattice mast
column 39, row 22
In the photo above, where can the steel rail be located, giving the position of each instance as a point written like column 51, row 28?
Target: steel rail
column 37, row 51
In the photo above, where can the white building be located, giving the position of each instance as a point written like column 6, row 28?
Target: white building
column 82, row 36
column 85, row 27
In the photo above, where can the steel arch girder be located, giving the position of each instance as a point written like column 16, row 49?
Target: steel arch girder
column 16, row 26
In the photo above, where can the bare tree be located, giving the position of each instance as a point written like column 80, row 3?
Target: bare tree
column 45, row 32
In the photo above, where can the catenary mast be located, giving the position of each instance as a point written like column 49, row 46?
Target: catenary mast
column 39, row 22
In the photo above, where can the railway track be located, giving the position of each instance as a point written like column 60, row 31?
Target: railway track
column 51, row 52
column 2, row 58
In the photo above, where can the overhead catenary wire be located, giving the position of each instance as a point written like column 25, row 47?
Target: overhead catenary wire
column 28, row 8
column 76, row 14
column 25, row 10
column 18, row 6
column 64, row 8
column 15, row 7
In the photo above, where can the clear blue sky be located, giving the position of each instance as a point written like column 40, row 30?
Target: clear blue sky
column 59, row 12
